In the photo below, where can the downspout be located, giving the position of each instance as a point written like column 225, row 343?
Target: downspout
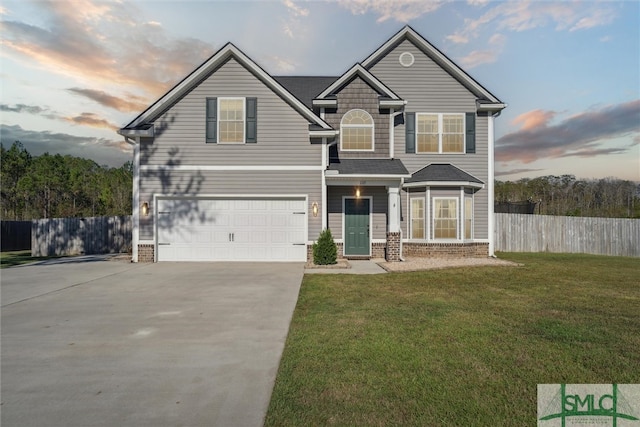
column 491, row 192
column 135, row 218
column 399, row 206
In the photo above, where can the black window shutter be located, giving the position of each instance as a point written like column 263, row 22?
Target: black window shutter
column 252, row 120
column 410, row 132
column 212, row 120
column 470, row 121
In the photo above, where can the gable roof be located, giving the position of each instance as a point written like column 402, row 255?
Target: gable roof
column 219, row 58
column 305, row 88
column 440, row 173
column 408, row 33
column 364, row 74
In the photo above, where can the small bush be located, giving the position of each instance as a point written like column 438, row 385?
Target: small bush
column 324, row 250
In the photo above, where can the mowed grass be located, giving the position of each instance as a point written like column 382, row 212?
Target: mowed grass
column 456, row 347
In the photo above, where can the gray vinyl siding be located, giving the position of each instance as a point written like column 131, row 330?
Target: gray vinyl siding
column 232, row 183
column 282, row 137
column 358, row 94
column 428, row 88
column 380, row 205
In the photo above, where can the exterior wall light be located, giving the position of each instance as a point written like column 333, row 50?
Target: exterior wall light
column 314, row 209
column 145, row 209
column 357, row 193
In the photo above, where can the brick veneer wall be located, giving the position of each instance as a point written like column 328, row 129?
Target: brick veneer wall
column 391, row 250
column 393, row 247
column 145, row 253
column 446, row 250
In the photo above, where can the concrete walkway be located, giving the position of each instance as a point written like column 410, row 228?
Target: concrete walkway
column 120, row 344
column 357, row 267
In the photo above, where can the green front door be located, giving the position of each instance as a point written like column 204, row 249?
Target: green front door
column 356, row 227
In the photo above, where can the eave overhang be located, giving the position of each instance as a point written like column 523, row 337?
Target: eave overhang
column 466, row 184
column 364, row 74
column 144, row 132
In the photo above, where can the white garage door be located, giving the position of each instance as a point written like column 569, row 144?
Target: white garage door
column 232, row 229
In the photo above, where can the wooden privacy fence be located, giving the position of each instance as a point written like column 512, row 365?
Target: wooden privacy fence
column 16, row 235
column 546, row 233
column 76, row 236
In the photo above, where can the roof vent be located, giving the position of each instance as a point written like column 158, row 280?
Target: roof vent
column 406, row 59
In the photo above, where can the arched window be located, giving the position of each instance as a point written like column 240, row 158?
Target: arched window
column 356, row 131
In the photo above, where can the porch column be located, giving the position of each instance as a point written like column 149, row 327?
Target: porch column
column 393, row 232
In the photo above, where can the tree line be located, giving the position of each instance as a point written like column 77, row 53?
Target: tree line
column 55, row 186
column 567, row 196
column 50, row 186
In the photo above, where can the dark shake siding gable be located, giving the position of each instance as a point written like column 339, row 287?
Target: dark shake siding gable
column 357, row 94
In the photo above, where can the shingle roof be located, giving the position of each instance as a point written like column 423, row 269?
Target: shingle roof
column 442, row 172
column 368, row 167
column 305, row 88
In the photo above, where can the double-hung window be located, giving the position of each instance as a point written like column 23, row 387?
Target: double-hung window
column 440, row 133
column 231, row 120
column 417, row 218
column 468, row 218
column 445, row 218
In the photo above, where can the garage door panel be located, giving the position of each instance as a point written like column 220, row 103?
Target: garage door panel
column 231, row 229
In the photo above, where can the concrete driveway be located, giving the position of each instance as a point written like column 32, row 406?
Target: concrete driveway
column 106, row 343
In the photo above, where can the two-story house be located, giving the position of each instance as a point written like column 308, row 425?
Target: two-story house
column 395, row 157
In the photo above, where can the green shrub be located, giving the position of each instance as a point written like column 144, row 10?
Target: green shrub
column 324, row 250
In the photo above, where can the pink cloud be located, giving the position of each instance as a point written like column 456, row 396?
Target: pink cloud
column 534, row 119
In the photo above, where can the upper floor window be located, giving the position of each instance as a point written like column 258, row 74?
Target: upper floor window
column 232, row 120
column 356, row 131
column 440, row 133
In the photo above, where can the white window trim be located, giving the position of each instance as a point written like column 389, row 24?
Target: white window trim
column 433, row 220
column 373, row 132
column 244, row 118
column 440, row 133
column 464, row 217
column 424, row 217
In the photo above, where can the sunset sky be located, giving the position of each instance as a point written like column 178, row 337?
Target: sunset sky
column 73, row 72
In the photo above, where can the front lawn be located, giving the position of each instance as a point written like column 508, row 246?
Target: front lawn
column 459, row 347
column 10, row 259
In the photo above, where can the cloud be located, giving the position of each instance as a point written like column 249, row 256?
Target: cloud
column 478, row 57
column 516, row 16
column 294, row 9
column 95, row 41
column 113, row 153
column 398, row 10
column 84, row 119
column 92, row 120
column 515, row 171
column 292, row 25
column 132, row 104
column 581, row 135
column 534, row 119
column 281, row 65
